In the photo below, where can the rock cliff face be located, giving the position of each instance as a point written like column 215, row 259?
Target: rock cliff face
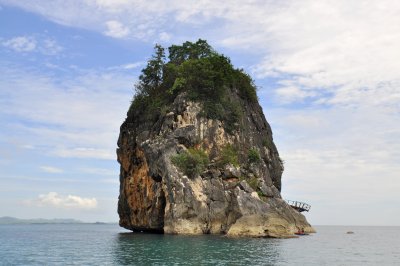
column 239, row 198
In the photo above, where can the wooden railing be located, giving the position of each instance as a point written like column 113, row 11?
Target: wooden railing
column 299, row 206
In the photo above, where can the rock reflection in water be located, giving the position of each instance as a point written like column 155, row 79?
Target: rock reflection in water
column 138, row 248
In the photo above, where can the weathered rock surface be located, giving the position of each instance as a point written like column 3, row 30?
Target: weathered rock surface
column 239, row 201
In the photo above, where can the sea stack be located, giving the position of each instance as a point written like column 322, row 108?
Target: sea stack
column 197, row 155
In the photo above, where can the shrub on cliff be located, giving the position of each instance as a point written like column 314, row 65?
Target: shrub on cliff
column 197, row 69
column 191, row 162
column 229, row 155
column 253, row 156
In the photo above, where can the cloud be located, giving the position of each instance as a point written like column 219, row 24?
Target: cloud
column 343, row 158
column 292, row 94
column 21, row 44
column 331, row 51
column 342, row 48
column 132, row 65
column 77, row 116
column 53, row 199
column 28, row 146
column 24, row 44
column 51, row 169
column 85, row 153
column 127, row 66
column 137, row 19
column 51, row 47
column 116, row 29
column 100, row 171
column 164, row 36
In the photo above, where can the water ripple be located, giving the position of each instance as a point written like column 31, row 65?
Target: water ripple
column 86, row 244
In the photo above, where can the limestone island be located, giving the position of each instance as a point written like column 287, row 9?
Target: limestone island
column 197, row 154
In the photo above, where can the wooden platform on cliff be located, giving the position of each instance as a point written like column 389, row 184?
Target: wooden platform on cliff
column 299, row 206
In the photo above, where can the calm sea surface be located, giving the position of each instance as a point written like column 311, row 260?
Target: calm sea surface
column 107, row 244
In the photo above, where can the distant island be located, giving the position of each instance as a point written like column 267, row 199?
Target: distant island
column 13, row 220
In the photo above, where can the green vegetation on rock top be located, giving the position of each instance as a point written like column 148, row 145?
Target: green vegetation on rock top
column 203, row 74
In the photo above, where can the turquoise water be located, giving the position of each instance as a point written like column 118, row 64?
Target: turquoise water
column 106, row 244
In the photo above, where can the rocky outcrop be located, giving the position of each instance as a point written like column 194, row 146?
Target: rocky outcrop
column 237, row 199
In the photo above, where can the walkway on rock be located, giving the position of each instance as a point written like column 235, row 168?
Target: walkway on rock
column 299, row 206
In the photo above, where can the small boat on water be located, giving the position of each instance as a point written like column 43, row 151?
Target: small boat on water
column 301, row 234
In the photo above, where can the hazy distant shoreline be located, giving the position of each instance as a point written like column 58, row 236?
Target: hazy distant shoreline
column 13, row 220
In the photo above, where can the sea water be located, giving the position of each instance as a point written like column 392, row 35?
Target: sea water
column 108, row 244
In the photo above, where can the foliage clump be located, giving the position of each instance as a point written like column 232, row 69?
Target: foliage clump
column 229, row 155
column 191, row 162
column 197, row 69
column 253, row 156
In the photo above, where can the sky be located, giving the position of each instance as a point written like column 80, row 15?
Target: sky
column 328, row 78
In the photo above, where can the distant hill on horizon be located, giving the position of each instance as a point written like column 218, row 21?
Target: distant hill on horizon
column 13, row 220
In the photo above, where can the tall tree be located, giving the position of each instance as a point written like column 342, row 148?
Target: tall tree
column 188, row 50
column 151, row 77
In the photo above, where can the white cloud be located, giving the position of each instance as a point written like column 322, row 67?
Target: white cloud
column 21, row 44
column 292, row 94
column 100, row 171
column 85, row 153
column 340, row 160
column 78, row 116
column 51, row 169
column 336, row 47
column 116, row 29
column 28, row 146
column 25, row 44
column 113, row 6
column 137, row 19
column 164, row 36
column 127, row 66
column 324, row 49
column 51, row 47
column 53, row 199
column 132, row 65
